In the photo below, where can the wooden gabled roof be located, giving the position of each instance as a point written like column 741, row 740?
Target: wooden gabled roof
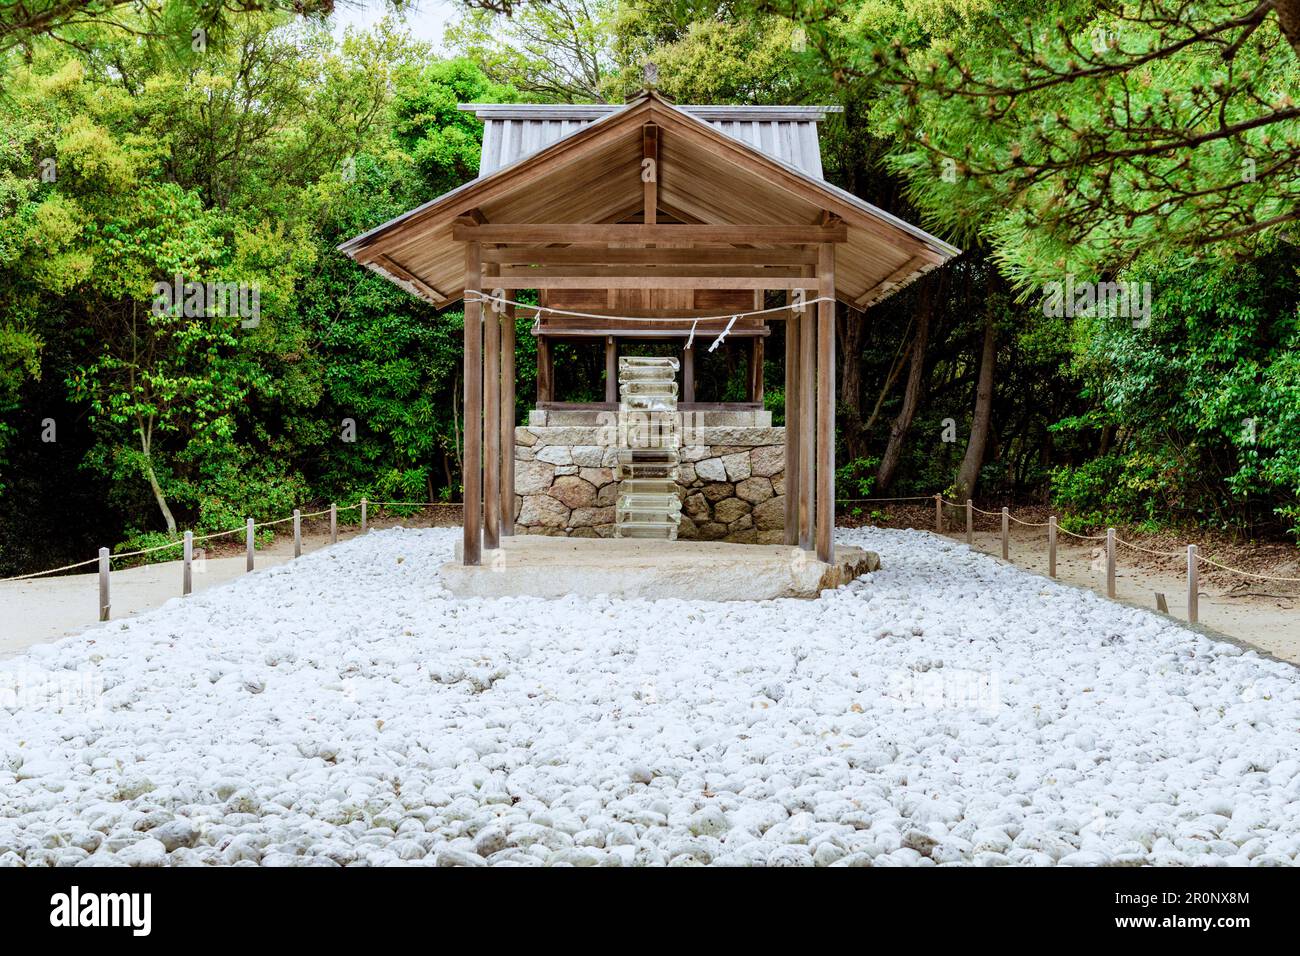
column 704, row 176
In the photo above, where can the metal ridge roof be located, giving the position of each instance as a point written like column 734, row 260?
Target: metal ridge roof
column 513, row 131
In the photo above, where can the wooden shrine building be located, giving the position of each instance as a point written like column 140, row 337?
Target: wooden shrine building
column 675, row 216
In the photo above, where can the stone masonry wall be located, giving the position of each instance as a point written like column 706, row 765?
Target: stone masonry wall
column 732, row 483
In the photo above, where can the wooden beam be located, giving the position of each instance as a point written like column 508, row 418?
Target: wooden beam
column 650, row 171
column 466, row 231
column 887, row 284
column 545, row 371
column 491, row 422
column 703, row 255
column 807, row 425
column 611, row 369
column 792, row 459
column 385, row 264
column 688, row 374
column 649, row 281
column 636, row 270
column 826, row 404
column 756, row 370
column 508, row 422
column 472, row 459
column 626, row 331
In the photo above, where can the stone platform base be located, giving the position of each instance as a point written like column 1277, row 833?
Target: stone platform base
column 549, row 567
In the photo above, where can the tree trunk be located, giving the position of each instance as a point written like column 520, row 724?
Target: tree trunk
column 153, row 478
column 911, row 393
column 968, row 474
column 850, row 328
column 1288, row 17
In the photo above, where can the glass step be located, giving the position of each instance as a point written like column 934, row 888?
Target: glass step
column 658, row 504
column 648, row 486
column 637, row 529
column 641, row 471
column 664, row 374
column 646, row 361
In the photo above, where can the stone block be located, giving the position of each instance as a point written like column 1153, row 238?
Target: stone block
column 696, row 506
column 711, row 469
column 754, row 490
column 737, row 466
column 533, row 477
column 556, row 454
column 770, row 515
column 590, row 517
column 599, row 477
column 718, row 490
column 730, row 509
column 588, row 456
column 767, row 461
column 573, row 492
column 543, row 511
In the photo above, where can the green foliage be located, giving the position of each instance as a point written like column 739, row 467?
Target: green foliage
column 857, row 478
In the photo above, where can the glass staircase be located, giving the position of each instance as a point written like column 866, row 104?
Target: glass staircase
column 647, row 464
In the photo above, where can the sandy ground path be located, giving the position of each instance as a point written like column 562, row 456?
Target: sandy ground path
column 1270, row 623
column 47, row 609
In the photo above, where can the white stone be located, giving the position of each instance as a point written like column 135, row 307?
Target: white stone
column 556, row 455
column 711, row 469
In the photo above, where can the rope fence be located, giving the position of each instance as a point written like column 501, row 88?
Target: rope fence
column 250, row 528
column 1111, row 539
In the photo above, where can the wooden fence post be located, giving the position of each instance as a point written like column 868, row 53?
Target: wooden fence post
column 938, row 514
column 970, row 523
column 1110, row 562
column 248, row 545
column 103, row 584
column 334, row 523
column 1193, row 586
column 363, row 515
column 297, row 532
column 1006, row 534
column 187, row 571
column 1051, row 546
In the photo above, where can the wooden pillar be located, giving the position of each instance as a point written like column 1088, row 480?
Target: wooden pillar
column 611, row 370
column 545, row 382
column 825, row 495
column 1110, row 562
column 1193, row 586
column 473, row 455
column 756, row 369
column 688, row 374
column 791, row 425
column 807, row 426
column 491, row 420
column 105, row 604
column 508, row 422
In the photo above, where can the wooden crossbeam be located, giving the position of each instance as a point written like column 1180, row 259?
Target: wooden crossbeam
column 635, row 271
column 705, row 255
column 468, row 231
column 534, row 281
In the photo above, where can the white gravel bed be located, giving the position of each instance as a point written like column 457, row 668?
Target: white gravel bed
column 344, row 709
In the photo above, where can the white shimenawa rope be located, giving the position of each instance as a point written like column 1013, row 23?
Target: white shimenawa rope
column 480, row 297
column 723, row 335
